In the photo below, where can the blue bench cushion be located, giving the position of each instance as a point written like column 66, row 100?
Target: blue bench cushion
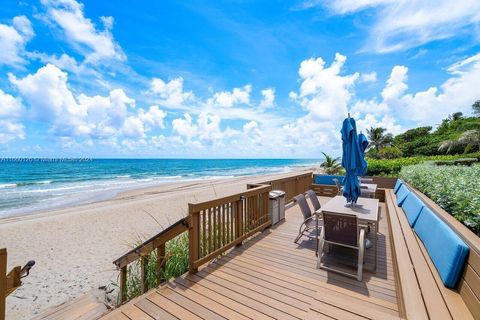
column 412, row 207
column 327, row 179
column 446, row 249
column 402, row 194
column 398, row 184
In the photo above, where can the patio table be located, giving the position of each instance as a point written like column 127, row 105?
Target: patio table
column 366, row 210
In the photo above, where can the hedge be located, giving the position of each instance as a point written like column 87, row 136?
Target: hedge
column 454, row 188
column 392, row 167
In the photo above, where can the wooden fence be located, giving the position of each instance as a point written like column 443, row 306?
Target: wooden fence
column 143, row 252
column 213, row 227
column 292, row 185
column 220, row 224
column 3, row 281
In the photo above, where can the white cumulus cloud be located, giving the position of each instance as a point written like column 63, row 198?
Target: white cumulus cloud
column 170, row 94
column 82, row 33
column 400, row 25
column 13, row 39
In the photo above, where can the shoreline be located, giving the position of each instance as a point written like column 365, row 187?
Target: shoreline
column 74, row 247
column 90, row 197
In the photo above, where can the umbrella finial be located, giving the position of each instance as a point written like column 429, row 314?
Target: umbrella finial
column 349, row 115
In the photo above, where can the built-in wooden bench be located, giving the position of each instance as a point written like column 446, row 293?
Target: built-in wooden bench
column 420, row 290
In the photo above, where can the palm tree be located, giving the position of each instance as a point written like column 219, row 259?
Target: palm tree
column 378, row 139
column 331, row 165
column 448, row 145
column 468, row 137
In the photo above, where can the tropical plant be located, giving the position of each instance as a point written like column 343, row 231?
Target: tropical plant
column 331, row 165
column 378, row 139
column 448, row 146
column 476, row 107
column 471, row 137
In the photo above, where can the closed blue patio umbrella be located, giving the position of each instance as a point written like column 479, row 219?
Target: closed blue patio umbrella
column 363, row 143
column 351, row 160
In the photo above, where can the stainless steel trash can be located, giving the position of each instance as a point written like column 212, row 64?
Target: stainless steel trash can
column 276, row 207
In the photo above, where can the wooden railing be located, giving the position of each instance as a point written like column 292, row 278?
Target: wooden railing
column 220, row 224
column 3, row 281
column 143, row 252
column 213, row 227
column 11, row 281
column 292, row 185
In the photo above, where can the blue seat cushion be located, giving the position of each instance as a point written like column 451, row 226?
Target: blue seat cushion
column 327, row 179
column 412, row 207
column 398, row 184
column 402, row 194
column 446, row 249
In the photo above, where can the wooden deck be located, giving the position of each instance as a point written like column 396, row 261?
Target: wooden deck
column 270, row 277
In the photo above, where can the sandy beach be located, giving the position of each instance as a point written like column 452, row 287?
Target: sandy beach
column 74, row 247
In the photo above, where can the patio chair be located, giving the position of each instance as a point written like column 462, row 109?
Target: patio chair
column 309, row 223
column 339, row 186
column 342, row 230
column 313, row 199
column 365, row 193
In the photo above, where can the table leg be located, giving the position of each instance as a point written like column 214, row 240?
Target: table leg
column 316, row 236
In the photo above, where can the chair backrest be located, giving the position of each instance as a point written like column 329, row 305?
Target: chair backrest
column 412, row 207
column 338, row 184
column 302, row 203
column 446, row 249
column 313, row 199
column 366, row 180
column 341, row 228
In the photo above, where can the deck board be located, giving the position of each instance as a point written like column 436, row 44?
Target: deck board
column 270, row 277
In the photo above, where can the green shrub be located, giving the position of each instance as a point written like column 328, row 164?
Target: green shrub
column 454, row 188
column 457, row 162
column 390, row 152
column 176, row 265
column 392, row 167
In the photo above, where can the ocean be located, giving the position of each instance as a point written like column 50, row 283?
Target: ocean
column 31, row 185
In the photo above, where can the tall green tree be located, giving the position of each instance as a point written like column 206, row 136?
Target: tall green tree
column 331, row 165
column 378, row 139
column 476, row 107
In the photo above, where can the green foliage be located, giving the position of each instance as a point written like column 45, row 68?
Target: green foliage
column 423, row 142
column 176, row 265
column 455, row 188
column 457, row 162
column 390, row 152
column 476, row 107
column 331, row 165
column 378, row 139
column 392, row 167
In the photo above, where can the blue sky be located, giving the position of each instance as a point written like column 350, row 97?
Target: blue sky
column 227, row 79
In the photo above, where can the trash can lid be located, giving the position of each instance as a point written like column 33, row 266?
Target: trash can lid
column 276, row 194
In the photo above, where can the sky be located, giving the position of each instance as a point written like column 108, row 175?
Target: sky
column 227, row 79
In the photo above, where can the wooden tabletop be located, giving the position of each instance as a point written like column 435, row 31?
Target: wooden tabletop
column 365, row 208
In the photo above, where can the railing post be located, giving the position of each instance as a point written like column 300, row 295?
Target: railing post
column 3, row 281
column 161, row 261
column 239, row 220
column 193, row 239
column 143, row 271
column 123, row 284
